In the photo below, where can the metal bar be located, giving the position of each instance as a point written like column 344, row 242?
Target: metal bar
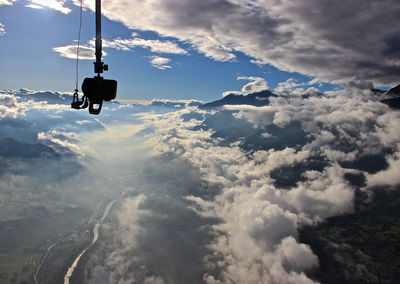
column 98, row 66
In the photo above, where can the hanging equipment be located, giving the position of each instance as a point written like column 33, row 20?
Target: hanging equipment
column 97, row 89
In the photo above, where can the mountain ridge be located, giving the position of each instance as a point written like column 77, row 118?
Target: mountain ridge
column 256, row 99
column 392, row 97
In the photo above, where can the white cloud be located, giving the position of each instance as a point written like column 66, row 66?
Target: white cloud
column 388, row 177
column 66, row 140
column 326, row 195
column 298, row 257
column 9, row 106
column 226, row 93
column 292, row 87
column 176, row 103
column 7, row 2
column 257, row 217
column 57, row 5
column 2, row 29
column 129, row 229
column 257, row 84
column 34, row 6
column 255, row 242
column 155, row 46
column 314, row 81
column 311, row 37
column 160, row 62
column 258, row 116
column 153, row 280
column 69, row 51
column 289, row 84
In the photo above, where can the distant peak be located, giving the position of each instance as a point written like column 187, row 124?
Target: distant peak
column 395, row 91
column 256, row 99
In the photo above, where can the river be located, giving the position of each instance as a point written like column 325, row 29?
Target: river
column 95, row 237
column 41, row 263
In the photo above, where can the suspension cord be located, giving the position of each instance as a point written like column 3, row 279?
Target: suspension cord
column 77, row 50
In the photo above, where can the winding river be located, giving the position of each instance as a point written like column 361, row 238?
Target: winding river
column 95, row 237
column 41, row 263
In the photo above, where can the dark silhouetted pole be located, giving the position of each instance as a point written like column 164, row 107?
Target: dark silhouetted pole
column 98, row 65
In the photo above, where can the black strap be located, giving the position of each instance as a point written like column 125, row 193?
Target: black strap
column 79, row 104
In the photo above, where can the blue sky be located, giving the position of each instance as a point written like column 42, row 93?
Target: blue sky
column 168, row 54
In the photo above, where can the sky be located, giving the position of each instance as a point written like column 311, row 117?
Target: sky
column 190, row 49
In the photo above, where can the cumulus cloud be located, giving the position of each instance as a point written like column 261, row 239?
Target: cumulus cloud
column 362, row 85
column 34, row 6
column 9, row 106
column 62, row 140
column 256, row 84
column 256, row 217
column 69, row 51
column 256, row 239
column 57, row 5
column 155, row 46
column 175, row 103
column 26, row 105
column 7, row 2
column 388, row 177
column 160, row 62
column 311, row 37
column 292, row 87
column 287, row 85
column 226, row 93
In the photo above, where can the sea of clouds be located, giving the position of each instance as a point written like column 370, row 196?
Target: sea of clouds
column 214, row 195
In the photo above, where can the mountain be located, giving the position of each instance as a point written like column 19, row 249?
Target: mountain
column 44, row 96
column 394, row 92
column 393, row 97
column 392, row 103
column 175, row 104
column 378, row 92
column 359, row 248
column 10, row 147
column 255, row 99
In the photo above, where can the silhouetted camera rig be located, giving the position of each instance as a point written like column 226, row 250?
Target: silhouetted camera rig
column 97, row 89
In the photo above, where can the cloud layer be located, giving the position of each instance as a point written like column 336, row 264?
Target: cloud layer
column 209, row 196
column 255, row 240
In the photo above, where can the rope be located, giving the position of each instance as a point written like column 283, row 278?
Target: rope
column 77, row 50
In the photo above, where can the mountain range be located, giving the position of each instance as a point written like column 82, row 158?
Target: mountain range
column 255, row 99
column 390, row 98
